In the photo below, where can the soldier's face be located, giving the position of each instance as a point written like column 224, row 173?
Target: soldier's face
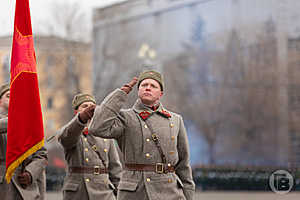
column 4, row 101
column 84, row 105
column 150, row 92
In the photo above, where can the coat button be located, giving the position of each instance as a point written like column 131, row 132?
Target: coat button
column 171, row 152
column 87, row 159
column 87, row 180
column 171, row 125
column 147, row 155
column 86, row 149
column 172, row 137
column 170, row 180
column 104, row 140
column 105, row 150
column 148, row 140
column 169, row 164
column 85, row 139
column 148, row 180
column 145, row 126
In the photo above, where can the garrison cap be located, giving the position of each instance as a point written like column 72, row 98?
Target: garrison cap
column 81, row 98
column 152, row 74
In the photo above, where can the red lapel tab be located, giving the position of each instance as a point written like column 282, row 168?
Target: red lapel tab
column 165, row 113
column 85, row 131
column 144, row 115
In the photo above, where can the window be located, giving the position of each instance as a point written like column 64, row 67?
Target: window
column 50, row 103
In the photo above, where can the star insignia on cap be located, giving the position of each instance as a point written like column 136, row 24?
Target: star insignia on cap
column 144, row 114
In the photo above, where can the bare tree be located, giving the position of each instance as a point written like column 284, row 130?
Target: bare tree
column 231, row 96
column 69, row 25
column 69, row 22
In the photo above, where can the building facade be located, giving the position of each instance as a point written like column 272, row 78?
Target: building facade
column 64, row 69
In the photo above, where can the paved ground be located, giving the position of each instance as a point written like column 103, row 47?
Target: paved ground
column 221, row 196
column 245, row 196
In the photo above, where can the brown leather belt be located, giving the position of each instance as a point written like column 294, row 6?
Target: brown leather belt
column 88, row 170
column 159, row 168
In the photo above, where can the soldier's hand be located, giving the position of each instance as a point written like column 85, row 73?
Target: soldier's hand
column 24, row 179
column 128, row 87
column 87, row 113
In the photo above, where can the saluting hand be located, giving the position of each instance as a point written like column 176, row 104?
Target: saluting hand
column 128, row 87
column 87, row 113
column 25, row 179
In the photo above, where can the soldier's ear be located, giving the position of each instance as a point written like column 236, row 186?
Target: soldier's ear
column 161, row 93
column 75, row 112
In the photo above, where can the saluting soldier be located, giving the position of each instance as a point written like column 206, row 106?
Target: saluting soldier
column 94, row 168
column 29, row 180
column 152, row 139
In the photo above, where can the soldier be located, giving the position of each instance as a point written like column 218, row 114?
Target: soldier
column 152, row 139
column 94, row 168
column 29, row 180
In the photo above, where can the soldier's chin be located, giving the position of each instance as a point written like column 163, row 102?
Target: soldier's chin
column 147, row 101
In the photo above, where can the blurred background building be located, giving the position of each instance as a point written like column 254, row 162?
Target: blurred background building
column 64, row 69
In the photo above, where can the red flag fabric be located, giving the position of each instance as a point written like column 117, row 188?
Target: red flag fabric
column 25, row 133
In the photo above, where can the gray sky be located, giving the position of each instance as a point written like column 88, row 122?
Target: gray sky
column 40, row 12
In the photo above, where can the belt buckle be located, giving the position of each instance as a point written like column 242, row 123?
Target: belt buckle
column 159, row 168
column 96, row 170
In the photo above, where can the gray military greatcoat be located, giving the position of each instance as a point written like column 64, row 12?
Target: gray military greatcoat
column 79, row 152
column 34, row 164
column 134, row 138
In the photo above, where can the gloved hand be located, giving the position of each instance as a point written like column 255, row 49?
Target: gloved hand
column 87, row 114
column 128, row 87
column 24, row 179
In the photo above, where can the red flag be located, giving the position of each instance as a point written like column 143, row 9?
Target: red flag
column 25, row 133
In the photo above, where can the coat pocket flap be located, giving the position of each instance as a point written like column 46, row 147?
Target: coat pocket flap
column 128, row 186
column 71, row 187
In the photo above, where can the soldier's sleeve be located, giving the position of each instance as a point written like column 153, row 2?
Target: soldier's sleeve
column 3, row 125
column 114, row 166
column 183, row 168
column 108, row 120
column 69, row 135
column 37, row 163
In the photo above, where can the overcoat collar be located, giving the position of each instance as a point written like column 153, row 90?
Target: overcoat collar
column 144, row 111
